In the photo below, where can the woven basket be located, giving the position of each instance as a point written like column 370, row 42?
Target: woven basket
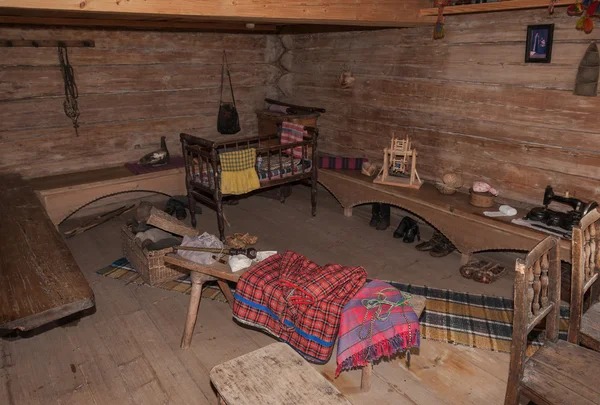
column 483, row 200
column 148, row 263
column 445, row 189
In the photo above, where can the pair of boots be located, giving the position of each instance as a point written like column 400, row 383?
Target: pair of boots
column 438, row 245
column 408, row 230
column 380, row 216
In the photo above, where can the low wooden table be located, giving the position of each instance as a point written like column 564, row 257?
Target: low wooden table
column 40, row 281
column 273, row 375
column 463, row 224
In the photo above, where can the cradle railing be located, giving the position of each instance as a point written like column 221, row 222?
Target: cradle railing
column 275, row 166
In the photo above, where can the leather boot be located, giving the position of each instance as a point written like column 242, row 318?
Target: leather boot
column 412, row 233
column 429, row 244
column 384, row 218
column 405, row 224
column 375, row 212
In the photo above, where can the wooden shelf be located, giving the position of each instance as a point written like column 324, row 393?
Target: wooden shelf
column 496, row 6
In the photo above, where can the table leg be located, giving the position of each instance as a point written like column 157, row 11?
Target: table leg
column 192, row 314
column 347, row 211
column 367, row 375
column 226, row 291
column 465, row 258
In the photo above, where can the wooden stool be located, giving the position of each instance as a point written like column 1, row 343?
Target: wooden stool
column 273, row 375
column 200, row 274
column 417, row 302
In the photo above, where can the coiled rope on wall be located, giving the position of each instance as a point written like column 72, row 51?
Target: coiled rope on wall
column 71, row 93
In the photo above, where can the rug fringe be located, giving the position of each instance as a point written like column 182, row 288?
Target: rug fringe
column 385, row 348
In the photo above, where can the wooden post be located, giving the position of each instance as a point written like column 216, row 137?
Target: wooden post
column 367, row 376
column 192, row 314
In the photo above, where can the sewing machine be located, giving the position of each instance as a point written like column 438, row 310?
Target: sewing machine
column 564, row 220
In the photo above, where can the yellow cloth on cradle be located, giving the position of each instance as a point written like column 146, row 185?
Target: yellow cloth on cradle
column 238, row 175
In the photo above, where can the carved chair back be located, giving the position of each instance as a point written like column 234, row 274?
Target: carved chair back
column 585, row 265
column 536, row 297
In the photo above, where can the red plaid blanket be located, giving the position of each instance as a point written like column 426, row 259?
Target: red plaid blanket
column 297, row 301
column 376, row 322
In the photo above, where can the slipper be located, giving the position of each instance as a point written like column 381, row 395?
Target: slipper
column 489, row 275
column 469, row 269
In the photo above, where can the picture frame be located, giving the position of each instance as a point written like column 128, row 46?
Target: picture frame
column 538, row 47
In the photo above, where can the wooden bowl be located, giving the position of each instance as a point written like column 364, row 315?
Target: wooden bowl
column 483, row 200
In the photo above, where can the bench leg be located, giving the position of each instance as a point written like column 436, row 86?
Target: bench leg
column 226, row 291
column 347, row 211
column 465, row 258
column 192, row 314
column 367, row 375
column 221, row 401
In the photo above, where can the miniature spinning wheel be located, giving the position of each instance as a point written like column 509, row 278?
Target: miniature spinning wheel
column 399, row 165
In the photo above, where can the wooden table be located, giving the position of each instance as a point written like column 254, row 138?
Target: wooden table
column 463, row 224
column 273, row 375
column 39, row 279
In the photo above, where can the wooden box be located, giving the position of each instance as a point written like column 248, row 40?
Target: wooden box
column 267, row 120
column 148, row 263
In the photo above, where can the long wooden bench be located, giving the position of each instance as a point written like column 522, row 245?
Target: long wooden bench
column 39, row 279
column 463, row 224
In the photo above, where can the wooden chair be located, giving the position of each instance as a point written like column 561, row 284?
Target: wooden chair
column 560, row 372
column 584, row 325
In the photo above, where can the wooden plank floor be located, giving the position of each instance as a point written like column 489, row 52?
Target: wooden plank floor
column 127, row 352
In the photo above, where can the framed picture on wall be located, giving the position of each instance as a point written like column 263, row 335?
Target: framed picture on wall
column 538, row 48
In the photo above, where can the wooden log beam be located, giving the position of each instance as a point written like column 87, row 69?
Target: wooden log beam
column 496, row 6
column 391, row 13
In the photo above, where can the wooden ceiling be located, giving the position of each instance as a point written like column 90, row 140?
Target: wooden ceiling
column 234, row 15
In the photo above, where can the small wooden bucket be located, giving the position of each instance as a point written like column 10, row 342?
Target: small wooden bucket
column 484, row 200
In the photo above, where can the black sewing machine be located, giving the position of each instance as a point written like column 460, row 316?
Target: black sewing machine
column 564, row 220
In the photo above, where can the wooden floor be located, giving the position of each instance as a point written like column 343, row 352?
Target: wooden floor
column 127, row 352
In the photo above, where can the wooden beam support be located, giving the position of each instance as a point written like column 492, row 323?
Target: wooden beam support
column 496, row 6
column 391, row 13
column 135, row 24
column 10, row 43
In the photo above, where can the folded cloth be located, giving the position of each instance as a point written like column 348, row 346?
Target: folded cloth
column 291, row 133
column 377, row 322
column 238, row 175
column 297, row 301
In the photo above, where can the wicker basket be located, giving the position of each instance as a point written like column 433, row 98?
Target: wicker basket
column 148, row 263
column 445, row 189
column 483, row 200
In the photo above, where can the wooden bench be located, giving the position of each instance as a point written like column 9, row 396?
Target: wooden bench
column 273, row 375
column 463, row 224
column 39, row 279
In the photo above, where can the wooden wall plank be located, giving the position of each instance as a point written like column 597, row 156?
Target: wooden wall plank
column 134, row 87
column 468, row 101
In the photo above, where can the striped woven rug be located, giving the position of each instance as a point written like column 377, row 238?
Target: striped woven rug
column 473, row 320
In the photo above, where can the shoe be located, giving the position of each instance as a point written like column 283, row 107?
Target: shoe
column 443, row 248
column 404, row 225
column 375, row 212
column 429, row 244
column 412, row 233
column 384, row 218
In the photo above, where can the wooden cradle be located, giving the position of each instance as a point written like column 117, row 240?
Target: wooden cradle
column 275, row 166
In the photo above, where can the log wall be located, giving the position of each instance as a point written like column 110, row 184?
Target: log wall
column 468, row 101
column 134, row 87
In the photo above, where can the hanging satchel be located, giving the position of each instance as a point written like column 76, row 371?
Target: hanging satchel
column 228, row 121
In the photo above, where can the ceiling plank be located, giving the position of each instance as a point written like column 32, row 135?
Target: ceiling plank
column 494, row 6
column 136, row 24
column 385, row 13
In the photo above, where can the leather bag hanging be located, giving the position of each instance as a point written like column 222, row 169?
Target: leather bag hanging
column 228, row 121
